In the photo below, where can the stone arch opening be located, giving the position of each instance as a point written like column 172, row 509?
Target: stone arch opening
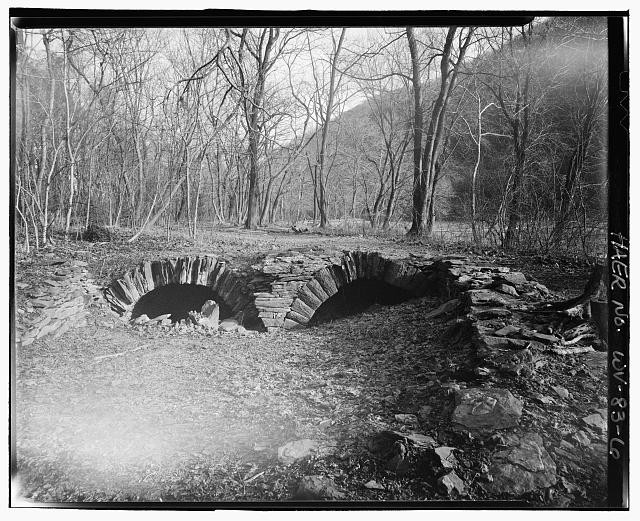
column 178, row 300
column 356, row 297
column 377, row 279
column 199, row 276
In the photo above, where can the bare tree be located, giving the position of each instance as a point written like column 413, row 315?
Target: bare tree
column 477, row 137
column 427, row 151
column 324, row 106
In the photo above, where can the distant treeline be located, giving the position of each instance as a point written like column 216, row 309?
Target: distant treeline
column 503, row 129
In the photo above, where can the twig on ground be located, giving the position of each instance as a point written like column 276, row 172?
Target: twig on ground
column 122, row 353
column 255, row 476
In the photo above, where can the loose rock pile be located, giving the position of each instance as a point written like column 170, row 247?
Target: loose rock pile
column 207, row 320
column 493, row 312
column 508, row 331
column 58, row 303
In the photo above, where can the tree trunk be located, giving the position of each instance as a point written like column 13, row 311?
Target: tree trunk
column 417, row 209
column 474, row 176
column 390, row 205
column 197, row 201
column 252, row 199
column 322, row 200
column 520, row 133
column 188, row 191
column 512, row 233
column 425, row 176
column 255, row 127
column 42, row 170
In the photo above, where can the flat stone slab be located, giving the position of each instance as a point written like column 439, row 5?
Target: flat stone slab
column 486, row 409
column 596, row 421
column 299, row 449
column 507, row 289
column 514, row 278
column 507, row 330
column 451, row 483
column 523, row 467
column 382, row 443
column 484, row 297
column 318, row 487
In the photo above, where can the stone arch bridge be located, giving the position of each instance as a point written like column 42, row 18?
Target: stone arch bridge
column 285, row 289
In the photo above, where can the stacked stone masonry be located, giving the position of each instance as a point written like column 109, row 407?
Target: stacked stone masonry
column 284, row 289
column 207, row 270
column 490, row 307
column 58, row 303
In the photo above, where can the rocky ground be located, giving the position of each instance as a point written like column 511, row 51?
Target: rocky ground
column 384, row 405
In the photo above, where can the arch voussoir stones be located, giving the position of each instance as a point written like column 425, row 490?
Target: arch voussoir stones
column 350, row 266
column 208, row 270
column 285, row 289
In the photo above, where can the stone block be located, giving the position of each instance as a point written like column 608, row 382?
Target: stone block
column 483, row 297
column 327, row 281
column 131, row 287
column 486, row 409
column 290, row 324
column 314, row 286
column 393, row 272
column 274, row 322
column 300, row 307
column 523, row 467
column 297, row 317
column 487, row 313
column 214, row 275
column 159, row 278
column 515, row 278
column 309, row 298
column 121, row 292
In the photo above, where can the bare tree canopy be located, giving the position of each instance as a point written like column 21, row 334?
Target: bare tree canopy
column 498, row 129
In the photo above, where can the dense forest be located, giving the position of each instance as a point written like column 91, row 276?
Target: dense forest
column 499, row 133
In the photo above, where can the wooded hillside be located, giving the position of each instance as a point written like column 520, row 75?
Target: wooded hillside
column 502, row 130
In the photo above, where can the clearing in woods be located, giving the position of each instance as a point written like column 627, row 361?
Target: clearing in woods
column 112, row 412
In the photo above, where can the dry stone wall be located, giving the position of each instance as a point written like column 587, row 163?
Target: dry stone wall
column 283, row 290
column 296, row 283
column 58, row 303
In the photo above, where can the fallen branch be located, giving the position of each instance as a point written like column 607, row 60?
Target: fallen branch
column 571, row 350
column 580, row 329
column 448, row 306
column 573, row 306
column 577, row 339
